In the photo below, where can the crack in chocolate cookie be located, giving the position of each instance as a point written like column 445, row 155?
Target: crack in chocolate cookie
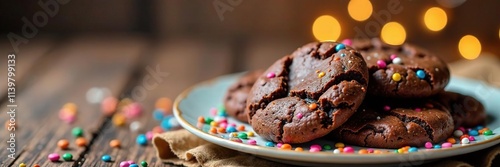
column 235, row 99
column 402, row 71
column 308, row 93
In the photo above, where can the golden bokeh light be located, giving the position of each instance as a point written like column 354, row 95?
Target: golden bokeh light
column 360, row 10
column 393, row 33
column 435, row 19
column 326, row 28
column 469, row 47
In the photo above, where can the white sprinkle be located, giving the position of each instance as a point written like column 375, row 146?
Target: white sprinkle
column 336, row 151
column 396, row 60
column 458, row 133
column 349, row 61
column 368, row 58
column 135, row 126
column 378, row 117
column 465, row 140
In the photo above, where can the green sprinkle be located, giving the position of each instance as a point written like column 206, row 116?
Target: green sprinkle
column 67, row 157
column 77, row 132
column 243, row 136
column 327, row 147
column 488, row 132
column 208, row 120
column 144, row 164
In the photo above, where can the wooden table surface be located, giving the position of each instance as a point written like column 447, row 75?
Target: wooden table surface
column 52, row 70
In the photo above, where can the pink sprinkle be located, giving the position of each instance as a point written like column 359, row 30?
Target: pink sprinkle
column 370, row 150
column 387, row 108
column 393, row 56
column 348, row 150
column 271, row 75
column 314, row 150
column 232, row 124
column 223, row 125
column 133, row 110
column 347, row 42
column 446, row 145
column 299, row 115
column 315, row 146
column 130, row 162
column 124, row 164
column 279, row 145
column 462, row 129
column 418, row 109
column 213, row 111
column 252, row 142
column 53, row 157
column 472, row 138
column 428, row 145
column 149, row 135
column 381, row 64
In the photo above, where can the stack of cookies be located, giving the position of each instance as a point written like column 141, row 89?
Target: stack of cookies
column 362, row 92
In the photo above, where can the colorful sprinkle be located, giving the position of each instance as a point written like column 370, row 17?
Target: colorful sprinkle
column 235, row 139
column 250, row 134
column 339, row 47
column 437, row 146
column 124, row 164
column 223, row 125
column 158, row 115
column 339, row 145
column 393, row 56
column 473, row 133
column 370, row 150
column 279, row 145
column 488, row 132
column 347, row 42
column 396, row 77
column 336, row 151
column 67, row 157
column 53, row 157
column 457, row 133
column 472, row 138
column 413, row 149
column 312, row 106
column 327, row 147
column 387, row 108
column 201, row 119
column 269, row 144
column 134, row 165
column 381, row 64
column 348, row 150
column 241, row 128
column 243, row 136
column 63, row 144
column 208, row 120
column 396, row 60
column 115, row 143
column 252, row 142
column 149, row 135
column 157, row 129
column 81, row 142
column 106, row 158
column 286, row 147
column 22, row 165
column 135, row 126
column 141, row 139
column 363, row 151
column 221, row 130
column 164, row 104
column 446, row 145
column 451, row 140
column 233, row 134
column 421, row 74
column 230, row 129
column 144, row 164
column 314, row 149
column 321, row 74
column 77, row 132
column 213, row 130
column 465, row 141
column 119, row 119
column 299, row 115
column 213, row 123
column 316, row 146
column 342, row 55
column 464, row 136
column 428, row 145
column 132, row 110
column 108, row 105
column 271, row 75
column 418, row 109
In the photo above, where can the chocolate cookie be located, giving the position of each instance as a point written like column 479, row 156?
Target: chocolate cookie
column 466, row 110
column 306, row 95
column 402, row 71
column 235, row 99
column 395, row 124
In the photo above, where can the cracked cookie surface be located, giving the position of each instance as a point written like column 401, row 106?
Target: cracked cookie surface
column 306, row 95
column 391, row 123
column 419, row 72
column 236, row 96
column 466, row 110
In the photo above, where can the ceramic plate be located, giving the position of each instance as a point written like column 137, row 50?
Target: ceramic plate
column 198, row 100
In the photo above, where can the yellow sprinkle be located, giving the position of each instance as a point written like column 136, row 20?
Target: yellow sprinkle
column 234, row 134
column 22, row 165
column 250, row 134
column 214, row 124
column 400, row 150
column 396, row 77
column 339, row 145
column 321, row 74
column 119, row 119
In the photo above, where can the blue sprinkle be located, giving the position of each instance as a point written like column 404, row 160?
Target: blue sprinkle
column 421, row 74
column 222, row 113
column 437, row 146
column 134, row 165
column 142, row 140
column 479, row 127
column 158, row 114
column 165, row 124
column 413, row 149
column 342, row 55
column 106, row 158
column 230, row 129
column 473, row 133
column 339, row 47
column 270, row 144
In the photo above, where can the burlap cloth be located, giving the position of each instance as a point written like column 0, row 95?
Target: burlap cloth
column 180, row 147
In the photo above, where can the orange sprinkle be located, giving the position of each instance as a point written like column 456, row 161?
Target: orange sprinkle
column 313, row 106
column 36, row 165
column 115, row 143
column 451, row 140
column 214, row 124
column 336, row 58
column 221, row 130
column 298, row 149
column 481, row 131
column 81, row 142
column 341, row 149
column 286, row 147
column 201, row 119
column 463, row 136
column 363, row 151
column 63, row 144
column 157, row 129
column 377, row 152
column 213, row 130
column 241, row 128
column 406, row 148
column 165, row 104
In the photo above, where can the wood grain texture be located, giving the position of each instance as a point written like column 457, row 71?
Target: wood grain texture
column 80, row 63
column 187, row 61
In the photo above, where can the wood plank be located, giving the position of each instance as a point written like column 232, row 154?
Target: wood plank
column 261, row 52
column 187, row 61
column 26, row 58
column 82, row 62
